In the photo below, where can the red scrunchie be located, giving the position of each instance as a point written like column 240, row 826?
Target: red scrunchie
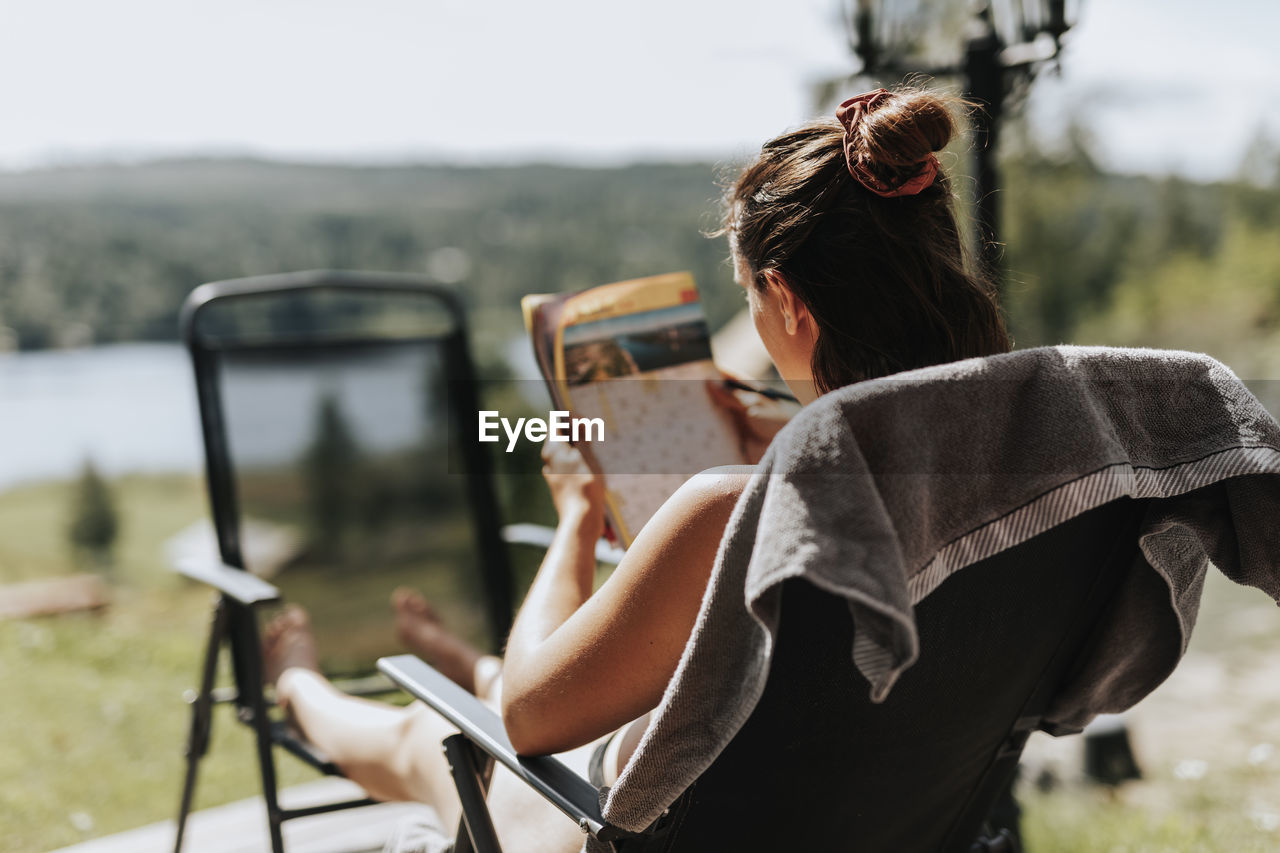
column 850, row 114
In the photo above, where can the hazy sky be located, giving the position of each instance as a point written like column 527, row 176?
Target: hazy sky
column 1165, row 84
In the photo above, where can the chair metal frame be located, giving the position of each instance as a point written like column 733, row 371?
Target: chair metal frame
column 481, row 741
column 234, row 624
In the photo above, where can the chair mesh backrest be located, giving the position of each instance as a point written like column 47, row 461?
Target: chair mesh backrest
column 332, row 469
column 819, row 767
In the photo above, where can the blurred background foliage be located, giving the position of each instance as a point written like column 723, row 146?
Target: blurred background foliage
column 1098, row 258
column 108, row 253
column 101, row 254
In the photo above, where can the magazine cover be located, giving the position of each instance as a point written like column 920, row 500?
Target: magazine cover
column 636, row 354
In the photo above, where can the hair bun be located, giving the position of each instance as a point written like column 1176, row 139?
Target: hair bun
column 903, row 129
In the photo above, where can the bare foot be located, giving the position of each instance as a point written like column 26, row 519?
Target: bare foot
column 421, row 631
column 287, row 643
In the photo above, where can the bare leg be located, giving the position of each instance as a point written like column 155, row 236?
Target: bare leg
column 419, row 628
column 391, row 752
column 395, row 754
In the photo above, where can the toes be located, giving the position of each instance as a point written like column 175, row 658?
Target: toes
column 287, row 623
column 297, row 616
column 409, row 600
column 274, row 629
column 287, row 642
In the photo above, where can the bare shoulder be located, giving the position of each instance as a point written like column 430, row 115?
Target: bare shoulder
column 696, row 514
column 715, row 486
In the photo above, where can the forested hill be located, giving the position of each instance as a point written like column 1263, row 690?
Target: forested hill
column 108, row 253
column 115, row 249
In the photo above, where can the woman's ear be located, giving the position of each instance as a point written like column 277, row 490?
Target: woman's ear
column 795, row 314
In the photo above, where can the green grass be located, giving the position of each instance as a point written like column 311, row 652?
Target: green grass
column 1220, row 707
column 1084, row 821
column 92, row 724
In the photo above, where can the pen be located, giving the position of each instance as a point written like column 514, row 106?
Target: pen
column 763, row 392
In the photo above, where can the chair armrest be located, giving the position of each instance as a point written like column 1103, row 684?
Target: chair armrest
column 539, row 536
column 555, row 782
column 241, row 585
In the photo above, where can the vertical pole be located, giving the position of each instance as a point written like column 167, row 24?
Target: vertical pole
column 464, row 401
column 201, row 717
column 984, row 83
column 246, row 647
column 471, row 776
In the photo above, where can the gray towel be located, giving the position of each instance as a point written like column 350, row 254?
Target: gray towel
column 881, row 490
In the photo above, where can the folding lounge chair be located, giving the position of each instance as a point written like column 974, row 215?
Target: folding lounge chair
column 919, row 772
column 333, row 406
column 1003, row 639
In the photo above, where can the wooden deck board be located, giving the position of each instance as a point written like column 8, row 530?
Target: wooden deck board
column 51, row 596
column 241, row 827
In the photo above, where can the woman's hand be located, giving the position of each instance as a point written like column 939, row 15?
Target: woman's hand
column 756, row 418
column 576, row 490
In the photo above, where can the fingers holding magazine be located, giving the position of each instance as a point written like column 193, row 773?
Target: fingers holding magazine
column 575, row 488
column 756, row 415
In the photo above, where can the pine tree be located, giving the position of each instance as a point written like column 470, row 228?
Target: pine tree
column 95, row 524
column 331, row 466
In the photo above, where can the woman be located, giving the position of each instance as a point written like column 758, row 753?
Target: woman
column 844, row 240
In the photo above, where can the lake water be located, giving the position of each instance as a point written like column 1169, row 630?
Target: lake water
column 131, row 408
column 128, row 407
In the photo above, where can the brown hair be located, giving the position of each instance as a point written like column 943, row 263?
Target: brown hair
column 886, row 279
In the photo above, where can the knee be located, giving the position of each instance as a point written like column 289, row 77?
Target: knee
column 407, row 736
column 418, row 742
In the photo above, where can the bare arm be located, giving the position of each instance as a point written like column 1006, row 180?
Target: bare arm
column 580, row 665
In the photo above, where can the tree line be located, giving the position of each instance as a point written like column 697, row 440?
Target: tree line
column 108, row 253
